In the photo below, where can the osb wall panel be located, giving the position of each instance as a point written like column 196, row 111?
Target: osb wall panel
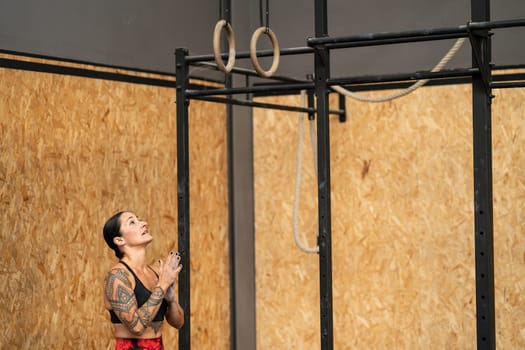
column 402, row 224
column 508, row 129
column 72, row 152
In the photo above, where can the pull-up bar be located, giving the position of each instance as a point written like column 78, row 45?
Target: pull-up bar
column 246, row 54
column 371, row 39
column 374, row 39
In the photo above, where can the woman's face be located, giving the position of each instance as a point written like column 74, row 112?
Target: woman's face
column 134, row 230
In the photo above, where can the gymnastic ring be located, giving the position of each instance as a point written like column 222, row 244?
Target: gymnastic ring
column 217, row 46
column 253, row 51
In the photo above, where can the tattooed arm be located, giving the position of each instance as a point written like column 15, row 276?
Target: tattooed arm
column 119, row 292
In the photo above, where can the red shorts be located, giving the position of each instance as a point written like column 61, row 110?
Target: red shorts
column 139, row 344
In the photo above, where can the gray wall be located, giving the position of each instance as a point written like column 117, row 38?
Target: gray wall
column 144, row 34
column 130, row 33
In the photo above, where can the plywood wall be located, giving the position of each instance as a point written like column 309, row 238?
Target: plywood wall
column 402, row 224
column 72, row 152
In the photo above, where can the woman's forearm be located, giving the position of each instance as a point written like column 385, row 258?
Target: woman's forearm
column 149, row 309
column 138, row 320
column 175, row 315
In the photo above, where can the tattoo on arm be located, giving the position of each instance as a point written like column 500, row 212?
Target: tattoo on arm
column 155, row 299
column 156, row 326
column 120, row 295
column 156, row 296
column 122, row 298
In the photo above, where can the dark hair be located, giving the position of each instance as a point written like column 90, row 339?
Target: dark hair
column 112, row 230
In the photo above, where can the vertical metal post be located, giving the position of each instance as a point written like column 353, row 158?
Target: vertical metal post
column 183, row 191
column 241, row 238
column 225, row 13
column 322, row 73
column 321, row 18
column 483, row 214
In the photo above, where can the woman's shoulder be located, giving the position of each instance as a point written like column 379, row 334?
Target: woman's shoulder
column 119, row 274
column 118, row 266
column 119, row 269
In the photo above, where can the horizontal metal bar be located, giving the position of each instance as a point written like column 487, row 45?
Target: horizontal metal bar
column 166, row 81
column 508, row 77
column 508, row 66
column 249, row 103
column 277, row 93
column 248, row 72
column 82, row 72
column 252, row 89
column 405, row 84
column 297, row 87
column 246, row 54
column 206, row 79
column 516, row 84
column 412, row 34
column 95, row 64
column 520, row 22
column 390, row 41
column 404, row 80
column 254, row 104
column 367, row 79
column 407, row 35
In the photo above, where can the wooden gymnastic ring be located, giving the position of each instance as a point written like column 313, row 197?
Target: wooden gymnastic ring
column 217, row 46
column 253, row 51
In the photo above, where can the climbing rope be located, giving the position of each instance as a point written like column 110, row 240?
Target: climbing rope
column 457, row 45
column 411, row 88
column 298, row 169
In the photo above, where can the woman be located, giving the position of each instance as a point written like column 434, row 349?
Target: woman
column 137, row 296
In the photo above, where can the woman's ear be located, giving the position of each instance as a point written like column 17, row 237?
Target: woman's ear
column 119, row 241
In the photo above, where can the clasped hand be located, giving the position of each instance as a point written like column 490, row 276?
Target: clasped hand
column 169, row 270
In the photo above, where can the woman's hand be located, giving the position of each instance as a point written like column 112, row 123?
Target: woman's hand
column 170, row 293
column 169, row 274
column 172, row 267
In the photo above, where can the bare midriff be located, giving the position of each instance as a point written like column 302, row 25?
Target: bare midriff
column 121, row 331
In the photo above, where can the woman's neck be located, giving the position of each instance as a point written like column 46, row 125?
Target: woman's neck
column 136, row 259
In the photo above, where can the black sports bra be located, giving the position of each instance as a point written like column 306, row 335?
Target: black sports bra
column 142, row 294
